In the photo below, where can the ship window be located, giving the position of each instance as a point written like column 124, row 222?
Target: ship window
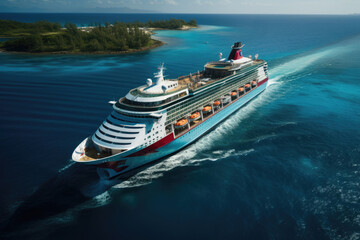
column 150, row 104
column 137, row 116
column 115, row 143
column 125, row 126
column 122, row 119
column 117, row 130
column 117, row 137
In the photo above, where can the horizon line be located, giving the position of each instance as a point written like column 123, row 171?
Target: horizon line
column 337, row 14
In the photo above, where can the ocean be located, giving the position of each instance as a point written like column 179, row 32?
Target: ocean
column 285, row 166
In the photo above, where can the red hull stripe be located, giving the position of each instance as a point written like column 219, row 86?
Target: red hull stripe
column 263, row 81
column 152, row 148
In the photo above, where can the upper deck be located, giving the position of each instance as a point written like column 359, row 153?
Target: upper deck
column 138, row 100
column 165, row 91
column 198, row 80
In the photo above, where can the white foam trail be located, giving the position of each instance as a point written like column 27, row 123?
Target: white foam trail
column 67, row 166
column 296, row 65
column 300, row 63
column 179, row 160
column 264, row 137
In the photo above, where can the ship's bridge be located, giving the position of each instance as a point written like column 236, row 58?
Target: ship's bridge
column 154, row 94
column 137, row 98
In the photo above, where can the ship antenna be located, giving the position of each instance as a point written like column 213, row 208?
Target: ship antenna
column 160, row 74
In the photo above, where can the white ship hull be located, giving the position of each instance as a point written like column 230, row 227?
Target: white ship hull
column 154, row 120
column 135, row 159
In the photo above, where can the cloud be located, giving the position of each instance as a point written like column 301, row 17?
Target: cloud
column 171, row 2
column 225, row 2
column 189, row 6
column 163, row 2
column 204, row 3
column 154, row 2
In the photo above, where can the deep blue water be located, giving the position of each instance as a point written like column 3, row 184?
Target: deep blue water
column 286, row 166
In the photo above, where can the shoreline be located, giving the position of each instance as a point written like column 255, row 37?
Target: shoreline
column 157, row 43
column 183, row 28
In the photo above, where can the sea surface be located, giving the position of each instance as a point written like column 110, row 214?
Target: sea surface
column 285, row 166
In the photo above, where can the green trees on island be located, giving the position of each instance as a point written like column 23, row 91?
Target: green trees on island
column 14, row 28
column 118, row 37
column 50, row 37
column 170, row 24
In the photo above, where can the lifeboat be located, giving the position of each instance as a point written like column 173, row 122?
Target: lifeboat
column 247, row 85
column 181, row 123
column 233, row 94
column 253, row 83
column 241, row 89
column 206, row 109
column 216, row 103
column 194, row 116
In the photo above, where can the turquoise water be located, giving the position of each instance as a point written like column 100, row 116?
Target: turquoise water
column 286, row 166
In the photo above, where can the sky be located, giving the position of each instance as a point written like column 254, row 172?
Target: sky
column 186, row 6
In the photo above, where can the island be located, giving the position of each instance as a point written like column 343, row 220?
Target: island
column 116, row 38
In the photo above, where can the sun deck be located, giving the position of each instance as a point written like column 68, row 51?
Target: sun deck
column 201, row 79
column 219, row 65
column 139, row 92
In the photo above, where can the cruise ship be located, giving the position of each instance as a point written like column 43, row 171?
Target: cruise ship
column 165, row 115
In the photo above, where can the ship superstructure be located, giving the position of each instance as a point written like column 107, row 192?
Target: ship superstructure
column 166, row 115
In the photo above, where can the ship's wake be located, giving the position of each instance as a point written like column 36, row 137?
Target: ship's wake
column 307, row 59
column 286, row 71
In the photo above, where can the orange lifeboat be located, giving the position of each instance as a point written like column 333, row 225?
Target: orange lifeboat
column 241, row 89
column 181, row 123
column 247, row 85
column 206, row 109
column 233, row 94
column 253, row 83
column 194, row 116
column 216, row 103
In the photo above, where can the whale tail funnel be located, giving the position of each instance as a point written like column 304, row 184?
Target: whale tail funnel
column 236, row 52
